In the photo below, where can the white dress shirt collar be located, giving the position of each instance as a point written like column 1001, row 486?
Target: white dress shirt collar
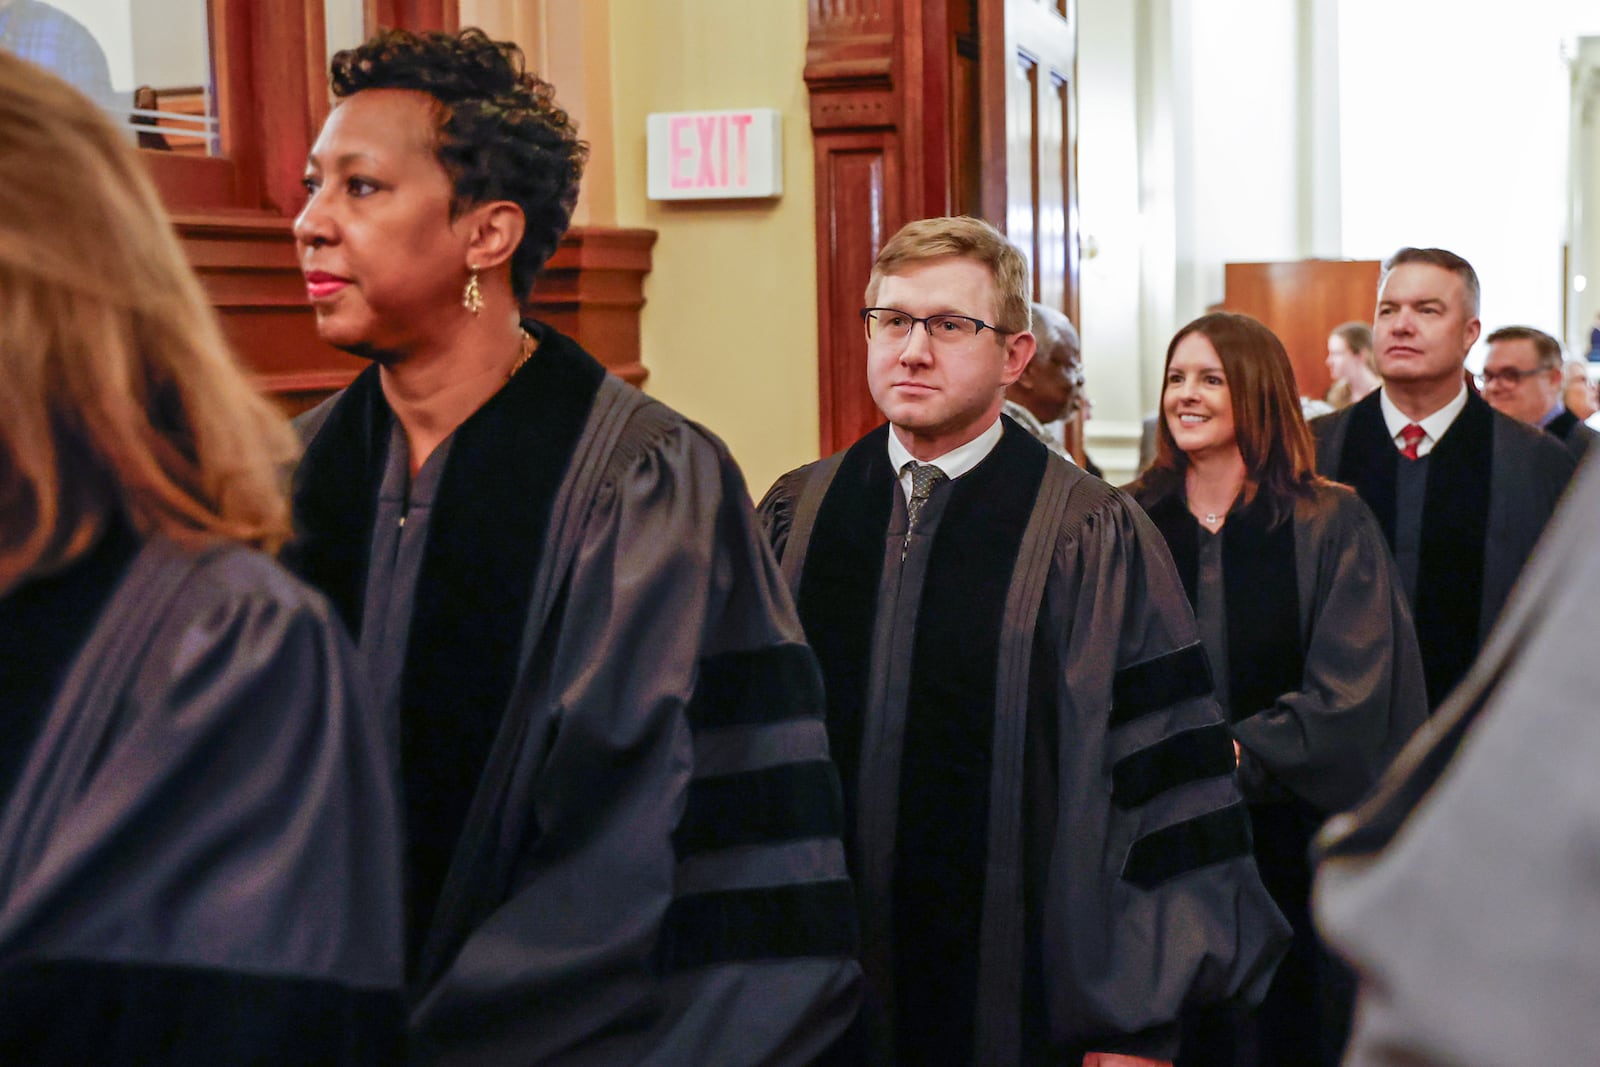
column 954, row 463
column 1433, row 427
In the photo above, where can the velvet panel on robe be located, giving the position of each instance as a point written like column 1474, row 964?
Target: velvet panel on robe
column 200, row 861
column 1357, row 694
column 1326, row 686
column 1141, row 893
column 1493, row 482
column 1464, row 889
column 649, row 869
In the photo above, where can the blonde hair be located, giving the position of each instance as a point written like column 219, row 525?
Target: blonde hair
column 120, row 396
column 970, row 238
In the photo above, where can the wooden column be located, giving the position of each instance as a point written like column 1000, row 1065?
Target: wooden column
column 415, row 15
column 894, row 92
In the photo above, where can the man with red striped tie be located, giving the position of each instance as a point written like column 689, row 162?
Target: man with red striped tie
column 1462, row 491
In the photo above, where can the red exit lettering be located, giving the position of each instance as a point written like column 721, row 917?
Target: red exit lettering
column 709, row 151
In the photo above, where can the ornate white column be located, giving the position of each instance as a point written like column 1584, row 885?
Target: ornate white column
column 1583, row 197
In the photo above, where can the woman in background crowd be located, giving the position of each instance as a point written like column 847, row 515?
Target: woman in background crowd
column 198, row 826
column 1310, row 641
column 1352, row 364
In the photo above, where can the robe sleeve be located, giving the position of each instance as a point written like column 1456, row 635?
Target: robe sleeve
column 687, row 900
column 1464, row 890
column 219, row 875
column 776, row 511
column 1363, row 694
column 1153, row 901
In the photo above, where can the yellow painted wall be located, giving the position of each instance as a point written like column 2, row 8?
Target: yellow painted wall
column 729, row 327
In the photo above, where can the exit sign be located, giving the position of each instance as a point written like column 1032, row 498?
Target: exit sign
column 715, row 155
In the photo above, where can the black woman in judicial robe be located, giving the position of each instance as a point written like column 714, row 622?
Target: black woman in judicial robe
column 1309, row 635
column 199, row 826
column 622, row 820
column 1463, row 516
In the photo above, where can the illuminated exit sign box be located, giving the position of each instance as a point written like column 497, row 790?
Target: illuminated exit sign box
column 715, row 155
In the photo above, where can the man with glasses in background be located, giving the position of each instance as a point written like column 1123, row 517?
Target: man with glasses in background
column 1522, row 378
column 1047, row 838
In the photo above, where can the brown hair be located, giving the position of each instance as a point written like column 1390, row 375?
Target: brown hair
column 121, row 397
column 1357, row 337
column 1438, row 257
column 969, row 238
column 1547, row 347
column 1279, row 458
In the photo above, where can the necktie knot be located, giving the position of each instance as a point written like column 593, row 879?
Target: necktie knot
column 924, row 476
column 1412, row 435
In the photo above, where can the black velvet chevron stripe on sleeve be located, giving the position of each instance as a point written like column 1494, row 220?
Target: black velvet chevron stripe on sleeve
column 1190, row 756
column 780, row 922
column 1182, row 674
column 1219, row 835
column 763, row 807
column 758, row 686
column 112, row 1014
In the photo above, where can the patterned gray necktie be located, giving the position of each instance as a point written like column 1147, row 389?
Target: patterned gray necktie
column 924, row 476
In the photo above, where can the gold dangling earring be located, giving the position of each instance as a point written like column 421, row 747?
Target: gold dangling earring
column 472, row 296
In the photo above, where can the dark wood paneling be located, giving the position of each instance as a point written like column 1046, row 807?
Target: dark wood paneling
column 1301, row 302
column 856, row 184
column 894, row 120
column 1030, row 123
column 412, row 14
column 592, row 288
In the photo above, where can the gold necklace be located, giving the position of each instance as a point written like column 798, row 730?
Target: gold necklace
column 526, row 347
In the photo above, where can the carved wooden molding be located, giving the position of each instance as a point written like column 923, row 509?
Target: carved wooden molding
column 882, row 149
column 592, row 289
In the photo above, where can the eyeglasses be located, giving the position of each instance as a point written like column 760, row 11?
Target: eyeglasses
column 1511, row 376
column 886, row 326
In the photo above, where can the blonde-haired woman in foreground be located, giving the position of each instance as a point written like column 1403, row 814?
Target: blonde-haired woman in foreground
column 198, row 824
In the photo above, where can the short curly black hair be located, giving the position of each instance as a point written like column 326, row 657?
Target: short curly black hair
column 500, row 136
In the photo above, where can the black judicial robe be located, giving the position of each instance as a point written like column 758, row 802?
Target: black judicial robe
column 1492, row 484
column 199, row 857
column 1572, row 432
column 1046, row 830
column 1464, row 890
column 616, row 772
column 1325, row 686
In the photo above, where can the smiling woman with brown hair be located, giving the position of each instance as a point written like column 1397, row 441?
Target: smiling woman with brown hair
column 1310, row 641
column 198, row 833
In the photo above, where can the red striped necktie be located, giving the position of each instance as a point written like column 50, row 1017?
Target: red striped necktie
column 1412, row 435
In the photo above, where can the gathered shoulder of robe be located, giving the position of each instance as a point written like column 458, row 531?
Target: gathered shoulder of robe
column 199, row 848
column 1464, row 890
column 1046, row 829
column 1491, row 485
column 1572, row 432
column 623, row 821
